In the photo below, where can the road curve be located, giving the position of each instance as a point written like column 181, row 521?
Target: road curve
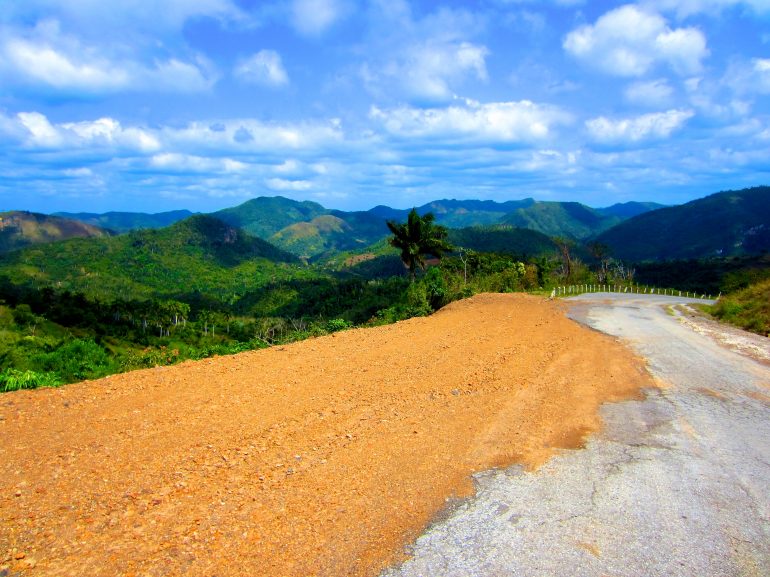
column 675, row 485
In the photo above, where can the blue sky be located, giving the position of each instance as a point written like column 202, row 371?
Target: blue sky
column 153, row 105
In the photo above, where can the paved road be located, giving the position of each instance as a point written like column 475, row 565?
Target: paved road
column 676, row 485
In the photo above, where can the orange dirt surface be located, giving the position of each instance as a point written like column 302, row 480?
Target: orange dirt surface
column 323, row 457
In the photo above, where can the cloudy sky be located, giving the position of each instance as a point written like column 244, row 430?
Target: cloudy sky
column 152, row 105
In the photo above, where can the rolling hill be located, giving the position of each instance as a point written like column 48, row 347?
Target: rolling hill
column 125, row 221
column 723, row 224
column 200, row 254
column 568, row 219
column 19, row 229
column 314, row 232
column 265, row 216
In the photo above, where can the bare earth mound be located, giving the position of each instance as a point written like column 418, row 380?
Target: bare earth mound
column 319, row 458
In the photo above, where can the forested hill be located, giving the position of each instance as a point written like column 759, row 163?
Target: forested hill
column 314, row 232
column 125, row 221
column 199, row 254
column 723, row 224
column 266, row 215
column 19, row 229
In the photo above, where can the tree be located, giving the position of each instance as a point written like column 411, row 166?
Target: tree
column 565, row 246
column 417, row 238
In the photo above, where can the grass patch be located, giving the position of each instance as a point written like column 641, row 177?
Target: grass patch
column 748, row 308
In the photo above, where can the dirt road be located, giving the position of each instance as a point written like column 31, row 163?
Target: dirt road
column 677, row 484
column 320, row 458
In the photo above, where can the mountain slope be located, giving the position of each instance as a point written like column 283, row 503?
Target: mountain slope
column 629, row 209
column 502, row 239
column 19, row 229
column 465, row 213
column 199, row 254
column 569, row 219
column 331, row 233
column 264, row 216
column 125, row 221
column 723, row 224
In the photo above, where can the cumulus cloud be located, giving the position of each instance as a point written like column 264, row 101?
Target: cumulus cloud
column 314, row 17
column 283, row 184
column 657, row 125
column 499, row 122
column 46, row 58
column 33, row 130
column 184, row 163
column 265, row 67
column 630, row 41
column 429, row 73
column 425, row 61
column 652, row 94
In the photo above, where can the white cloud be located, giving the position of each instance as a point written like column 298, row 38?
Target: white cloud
column 284, row 184
column 751, row 77
column 502, row 122
column 424, row 60
column 630, row 41
column 429, row 72
column 652, row 126
column 265, row 67
column 314, row 17
column 41, row 133
column 44, row 57
column 652, row 94
column 176, row 162
column 78, row 172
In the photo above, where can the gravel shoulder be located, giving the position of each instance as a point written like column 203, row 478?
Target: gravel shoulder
column 674, row 484
column 323, row 458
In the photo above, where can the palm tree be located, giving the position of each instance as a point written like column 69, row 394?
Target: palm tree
column 417, row 238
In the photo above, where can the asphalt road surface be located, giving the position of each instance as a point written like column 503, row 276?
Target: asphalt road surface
column 675, row 485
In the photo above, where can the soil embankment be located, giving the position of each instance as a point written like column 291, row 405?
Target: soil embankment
column 319, row 458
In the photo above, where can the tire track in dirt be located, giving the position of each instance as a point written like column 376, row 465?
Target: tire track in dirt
column 323, row 457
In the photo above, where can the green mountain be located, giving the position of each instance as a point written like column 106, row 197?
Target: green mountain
column 626, row 210
column 465, row 213
column 331, row 233
column 200, row 254
column 125, row 221
column 723, row 224
column 19, row 229
column 265, row 216
column 567, row 219
column 503, row 239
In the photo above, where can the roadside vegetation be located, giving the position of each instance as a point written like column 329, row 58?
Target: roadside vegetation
column 748, row 308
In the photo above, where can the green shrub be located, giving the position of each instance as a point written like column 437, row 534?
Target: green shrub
column 77, row 360
column 14, row 380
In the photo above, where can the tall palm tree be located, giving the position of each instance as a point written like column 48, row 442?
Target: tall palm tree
column 417, row 238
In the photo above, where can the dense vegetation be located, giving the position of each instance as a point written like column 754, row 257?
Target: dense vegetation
column 724, row 224
column 748, row 308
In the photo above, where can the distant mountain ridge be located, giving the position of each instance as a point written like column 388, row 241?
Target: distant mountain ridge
column 19, row 229
column 727, row 223
column 125, row 221
column 313, row 232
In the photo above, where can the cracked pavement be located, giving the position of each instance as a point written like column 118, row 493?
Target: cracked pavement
column 677, row 484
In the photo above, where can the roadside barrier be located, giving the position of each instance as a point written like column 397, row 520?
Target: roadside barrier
column 572, row 290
